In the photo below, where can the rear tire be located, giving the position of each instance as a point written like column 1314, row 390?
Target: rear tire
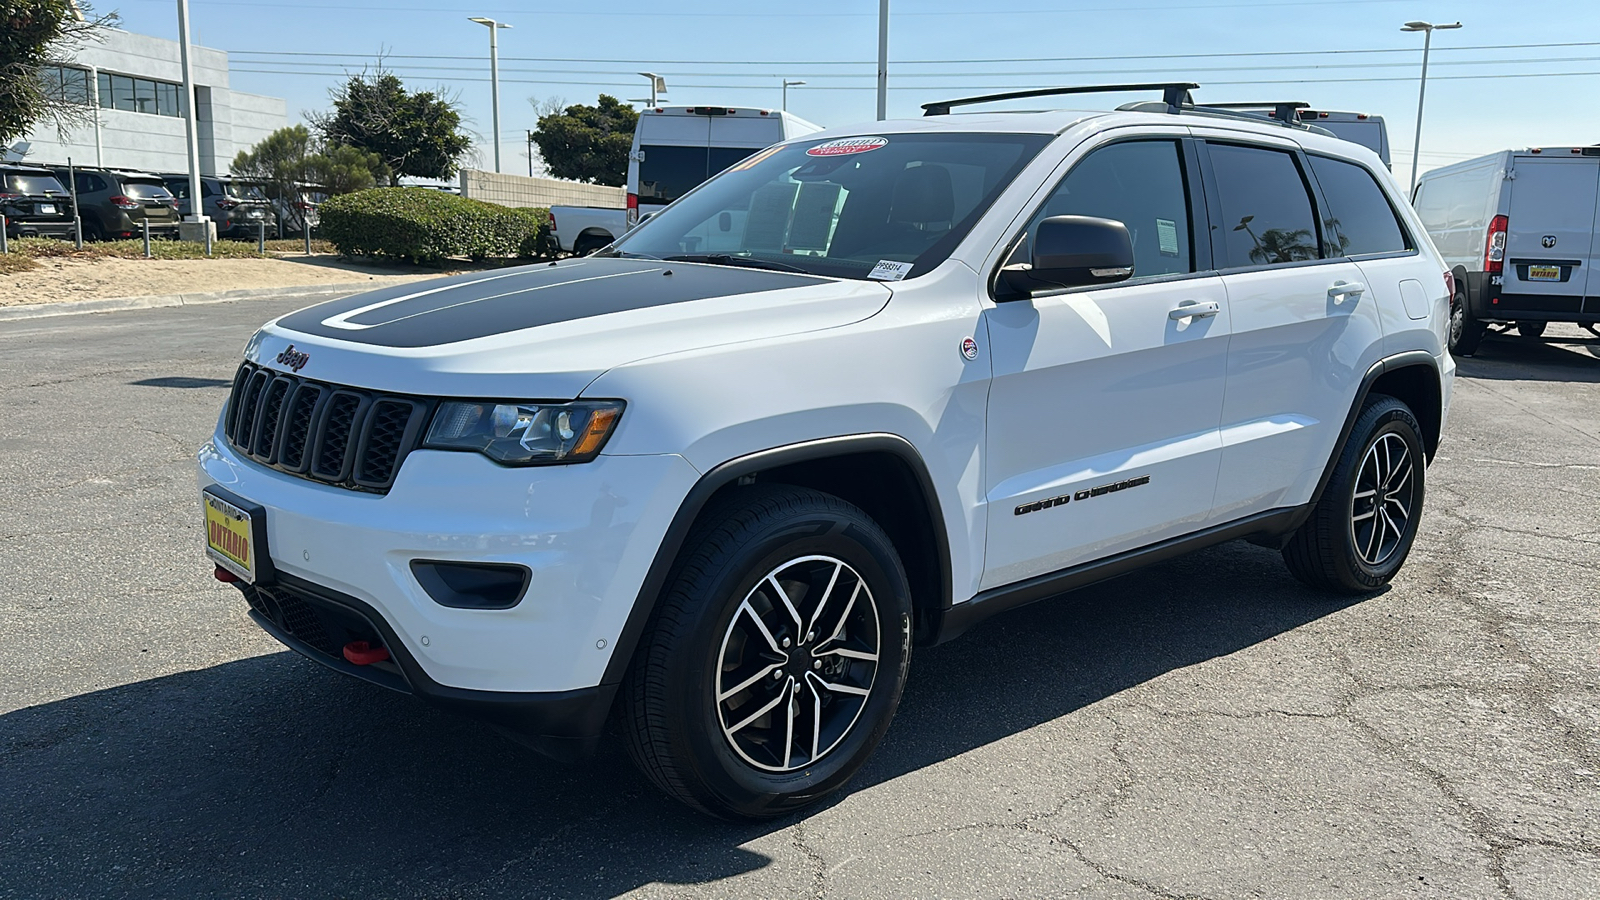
column 92, row 231
column 1362, row 528
column 1466, row 332
column 1531, row 329
column 746, row 703
column 588, row 243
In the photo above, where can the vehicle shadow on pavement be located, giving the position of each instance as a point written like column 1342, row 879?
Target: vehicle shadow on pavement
column 271, row 776
column 1512, row 358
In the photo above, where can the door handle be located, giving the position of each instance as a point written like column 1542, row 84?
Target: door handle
column 1192, row 309
column 1346, row 289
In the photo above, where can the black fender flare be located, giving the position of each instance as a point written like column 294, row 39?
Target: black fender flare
column 1388, row 364
column 739, row 467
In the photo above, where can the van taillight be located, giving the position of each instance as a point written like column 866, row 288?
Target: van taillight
column 1494, row 249
column 1450, row 284
column 633, row 209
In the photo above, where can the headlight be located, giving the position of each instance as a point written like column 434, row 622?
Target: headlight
column 525, row 434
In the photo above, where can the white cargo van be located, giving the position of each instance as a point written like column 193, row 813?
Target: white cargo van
column 1518, row 230
column 1359, row 128
column 675, row 148
column 1365, row 129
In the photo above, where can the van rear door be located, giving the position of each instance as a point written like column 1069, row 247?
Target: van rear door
column 1550, row 236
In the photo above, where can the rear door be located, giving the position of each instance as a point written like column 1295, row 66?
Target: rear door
column 1304, row 330
column 1550, row 235
column 156, row 203
column 671, row 157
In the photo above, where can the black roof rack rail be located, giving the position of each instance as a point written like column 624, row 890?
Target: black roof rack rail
column 1286, row 111
column 1175, row 94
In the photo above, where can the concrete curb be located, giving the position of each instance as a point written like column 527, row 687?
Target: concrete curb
column 117, row 304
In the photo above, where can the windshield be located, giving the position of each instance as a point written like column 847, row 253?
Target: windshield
column 882, row 207
column 19, row 183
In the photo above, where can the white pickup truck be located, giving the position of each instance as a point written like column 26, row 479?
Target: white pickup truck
column 674, row 150
column 581, row 230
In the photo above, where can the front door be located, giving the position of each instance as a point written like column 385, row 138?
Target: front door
column 1105, row 402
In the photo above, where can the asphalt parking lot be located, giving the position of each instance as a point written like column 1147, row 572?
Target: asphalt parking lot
column 1205, row 728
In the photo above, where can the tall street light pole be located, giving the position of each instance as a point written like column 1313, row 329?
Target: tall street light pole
column 1427, row 29
column 658, row 86
column 786, row 85
column 883, row 60
column 190, row 127
column 494, row 76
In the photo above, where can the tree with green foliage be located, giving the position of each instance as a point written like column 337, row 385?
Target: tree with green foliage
column 588, row 143
column 291, row 157
column 35, row 34
column 416, row 134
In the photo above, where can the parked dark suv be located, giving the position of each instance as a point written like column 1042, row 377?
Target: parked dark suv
column 113, row 204
column 238, row 207
column 34, row 202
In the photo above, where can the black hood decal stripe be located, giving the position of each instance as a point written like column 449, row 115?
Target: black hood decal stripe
column 466, row 307
column 376, row 310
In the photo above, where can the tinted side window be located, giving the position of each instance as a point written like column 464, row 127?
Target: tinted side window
column 1361, row 219
column 1141, row 185
column 1266, row 209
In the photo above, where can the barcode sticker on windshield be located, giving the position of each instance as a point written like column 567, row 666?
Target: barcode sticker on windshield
column 889, row 270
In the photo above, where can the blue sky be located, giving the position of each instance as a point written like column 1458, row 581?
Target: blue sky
column 1338, row 54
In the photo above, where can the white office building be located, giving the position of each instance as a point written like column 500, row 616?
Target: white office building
column 135, row 82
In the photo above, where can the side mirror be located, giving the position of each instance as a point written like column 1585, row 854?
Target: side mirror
column 1072, row 251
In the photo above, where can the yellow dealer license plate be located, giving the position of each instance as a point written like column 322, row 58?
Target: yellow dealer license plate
column 1544, row 273
column 230, row 537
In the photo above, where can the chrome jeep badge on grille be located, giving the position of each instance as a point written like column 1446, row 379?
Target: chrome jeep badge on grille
column 293, row 358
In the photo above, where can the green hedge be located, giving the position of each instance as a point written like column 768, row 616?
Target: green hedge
column 424, row 225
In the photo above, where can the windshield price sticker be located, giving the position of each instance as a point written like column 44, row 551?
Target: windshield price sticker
column 889, row 270
column 847, row 146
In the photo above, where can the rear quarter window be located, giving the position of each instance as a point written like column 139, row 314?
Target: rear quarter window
column 1360, row 220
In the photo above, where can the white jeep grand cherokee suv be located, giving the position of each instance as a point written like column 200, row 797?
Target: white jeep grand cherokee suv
column 937, row 369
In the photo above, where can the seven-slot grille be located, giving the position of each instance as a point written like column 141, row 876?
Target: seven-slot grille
column 344, row 436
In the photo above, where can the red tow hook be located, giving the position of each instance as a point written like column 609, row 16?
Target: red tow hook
column 224, row 576
column 364, row 654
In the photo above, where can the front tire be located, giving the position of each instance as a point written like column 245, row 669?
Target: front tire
column 775, row 658
column 1362, row 528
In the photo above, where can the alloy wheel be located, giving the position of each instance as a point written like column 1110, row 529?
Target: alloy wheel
column 1382, row 504
column 797, row 663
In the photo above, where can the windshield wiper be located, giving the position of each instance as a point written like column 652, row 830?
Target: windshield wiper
column 724, row 259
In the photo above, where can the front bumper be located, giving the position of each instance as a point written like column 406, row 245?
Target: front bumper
column 317, row 622
column 588, row 532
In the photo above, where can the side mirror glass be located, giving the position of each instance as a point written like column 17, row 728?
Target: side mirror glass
column 1073, row 251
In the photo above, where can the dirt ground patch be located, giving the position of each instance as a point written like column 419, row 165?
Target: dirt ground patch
column 57, row 280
